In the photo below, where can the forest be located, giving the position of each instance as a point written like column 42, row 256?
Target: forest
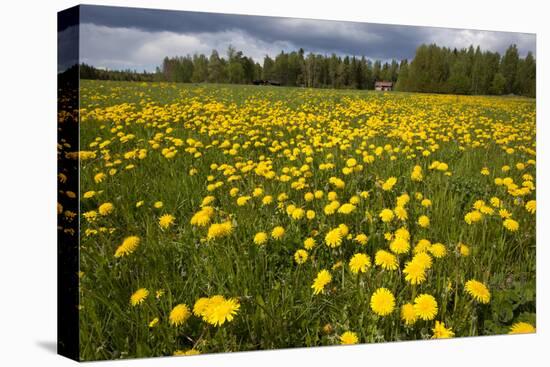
column 433, row 69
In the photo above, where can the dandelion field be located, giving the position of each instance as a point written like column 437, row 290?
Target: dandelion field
column 219, row 218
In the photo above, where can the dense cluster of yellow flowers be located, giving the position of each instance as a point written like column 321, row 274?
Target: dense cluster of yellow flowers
column 396, row 203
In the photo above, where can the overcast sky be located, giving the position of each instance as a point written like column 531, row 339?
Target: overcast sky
column 121, row 38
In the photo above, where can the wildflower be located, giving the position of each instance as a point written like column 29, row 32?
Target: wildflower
column 241, row 201
column 422, row 245
column 511, row 225
column 179, row 315
column 361, row 238
column 202, row 217
column 386, row 215
column 424, row 221
column 423, row 259
column 99, row 177
column 260, row 238
column 322, row 279
column 220, row 310
column 441, row 332
column 349, row 337
column 463, row 250
column 189, row 352
column 389, row 184
column 106, row 209
column 426, row 203
column 416, row 174
column 334, row 238
column 310, row 214
column 166, row 221
column 128, row 246
column 522, row 328
column 408, row 315
column 158, row 204
column 90, row 216
column 278, row 232
column 414, row 272
column 401, row 213
column 438, row 250
column 154, row 322
column 382, row 302
column 309, row 243
column 300, row 256
column 359, row 263
column 217, row 230
column 399, row 245
column 386, row 260
column 425, row 307
column 89, row 194
column 531, row 206
column 478, row 291
column 297, row 214
column 139, row 296
column 346, row 208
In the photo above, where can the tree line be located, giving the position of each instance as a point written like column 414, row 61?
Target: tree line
column 433, row 69
column 437, row 69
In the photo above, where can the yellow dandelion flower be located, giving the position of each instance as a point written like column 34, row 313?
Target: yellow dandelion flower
column 422, row 245
column 389, row 184
column 158, row 204
column 190, row 352
column 423, row 259
column 260, row 238
column 106, row 209
column 128, row 246
column 349, row 337
column 218, row 230
column 382, row 302
column 359, row 263
column 401, row 213
column 522, row 328
column 166, row 221
column 139, row 296
column 300, row 256
column 408, row 315
column 424, row 221
column 441, row 332
column 322, row 279
column 153, row 322
column 179, row 315
column 333, row 238
column 386, row 260
column 399, row 245
column 362, row 239
column 531, row 206
column 309, row 243
column 478, row 291
column 386, row 215
column 218, row 313
column 415, row 272
column 463, row 250
column 511, row 225
column 278, row 232
column 438, row 250
column 425, row 307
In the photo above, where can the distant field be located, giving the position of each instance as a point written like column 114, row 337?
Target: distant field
column 291, row 217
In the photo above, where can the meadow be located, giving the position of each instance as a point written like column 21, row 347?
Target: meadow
column 219, row 218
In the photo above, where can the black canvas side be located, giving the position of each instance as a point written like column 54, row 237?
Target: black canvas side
column 68, row 196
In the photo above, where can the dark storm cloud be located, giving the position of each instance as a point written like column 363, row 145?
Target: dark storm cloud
column 273, row 34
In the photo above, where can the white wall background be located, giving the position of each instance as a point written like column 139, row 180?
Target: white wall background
column 28, row 181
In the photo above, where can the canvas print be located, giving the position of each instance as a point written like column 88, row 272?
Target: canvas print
column 240, row 183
